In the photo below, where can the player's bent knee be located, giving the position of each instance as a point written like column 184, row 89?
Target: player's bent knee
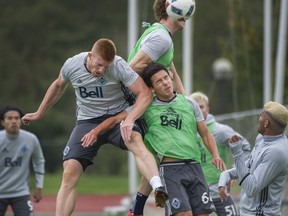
column 136, row 144
column 136, row 139
column 135, row 135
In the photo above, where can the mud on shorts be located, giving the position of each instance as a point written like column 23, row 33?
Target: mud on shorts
column 187, row 188
column 75, row 150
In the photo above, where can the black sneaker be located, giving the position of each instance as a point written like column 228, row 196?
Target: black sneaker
column 160, row 197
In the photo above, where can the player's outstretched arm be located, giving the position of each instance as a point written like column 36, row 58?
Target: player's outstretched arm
column 52, row 95
column 210, row 144
column 90, row 138
column 140, row 61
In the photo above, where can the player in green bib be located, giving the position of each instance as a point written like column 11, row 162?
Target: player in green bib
column 156, row 44
column 177, row 123
column 167, row 57
column 222, row 133
column 173, row 123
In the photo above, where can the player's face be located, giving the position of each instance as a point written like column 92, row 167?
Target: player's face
column 204, row 107
column 12, row 122
column 262, row 123
column 97, row 65
column 162, row 85
column 180, row 23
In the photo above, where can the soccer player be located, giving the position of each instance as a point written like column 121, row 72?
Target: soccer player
column 222, row 134
column 156, row 44
column 99, row 78
column 18, row 149
column 173, row 122
column 263, row 176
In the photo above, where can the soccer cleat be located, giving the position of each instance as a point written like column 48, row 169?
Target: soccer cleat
column 131, row 214
column 160, row 197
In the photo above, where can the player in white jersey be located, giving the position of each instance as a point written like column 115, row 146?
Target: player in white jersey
column 263, row 176
column 99, row 78
column 18, row 148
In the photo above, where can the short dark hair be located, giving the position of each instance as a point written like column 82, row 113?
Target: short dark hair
column 10, row 108
column 150, row 70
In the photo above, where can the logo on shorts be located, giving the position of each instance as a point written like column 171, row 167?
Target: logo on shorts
column 176, row 203
column 66, row 150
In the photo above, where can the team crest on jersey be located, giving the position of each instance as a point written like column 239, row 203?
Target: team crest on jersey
column 24, row 149
column 101, row 80
column 66, row 150
column 176, row 203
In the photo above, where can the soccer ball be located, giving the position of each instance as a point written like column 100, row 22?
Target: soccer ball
column 178, row 9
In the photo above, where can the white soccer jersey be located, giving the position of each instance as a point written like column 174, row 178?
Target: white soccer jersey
column 96, row 97
column 16, row 153
column 262, row 177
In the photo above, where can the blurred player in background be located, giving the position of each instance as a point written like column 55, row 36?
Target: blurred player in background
column 18, row 148
column 222, row 134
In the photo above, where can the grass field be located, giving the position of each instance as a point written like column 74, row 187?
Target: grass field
column 94, row 184
column 89, row 184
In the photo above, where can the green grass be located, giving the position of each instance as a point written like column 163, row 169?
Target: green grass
column 89, row 184
column 94, row 184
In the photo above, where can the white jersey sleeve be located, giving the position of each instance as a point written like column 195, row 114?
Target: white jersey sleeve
column 196, row 109
column 124, row 72
column 156, row 44
column 222, row 134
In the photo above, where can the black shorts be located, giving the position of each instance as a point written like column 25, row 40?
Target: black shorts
column 75, row 150
column 21, row 206
column 226, row 208
column 186, row 187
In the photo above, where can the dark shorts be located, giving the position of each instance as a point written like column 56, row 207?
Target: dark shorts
column 226, row 208
column 74, row 149
column 186, row 187
column 21, row 206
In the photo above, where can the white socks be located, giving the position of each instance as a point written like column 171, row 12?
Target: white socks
column 155, row 182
